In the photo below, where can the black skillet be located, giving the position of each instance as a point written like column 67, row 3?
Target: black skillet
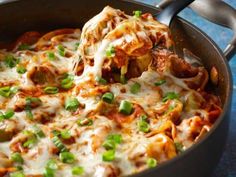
column 19, row 16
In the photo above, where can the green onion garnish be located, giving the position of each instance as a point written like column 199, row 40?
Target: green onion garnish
column 67, row 157
column 10, row 61
column 50, row 90
column 17, row 174
column 48, row 172
column 61, row 50
column 20, row 70
column 170, row 96
column 135, row 88
column 77, row 170
column 7, row 115
column 160, row 82
column 137, row 13
column 67, row 82
column 125, row 107
column 151, row 162
column 108, row 97
column 110, row 52
column 24, row 47
column 7, row 91
column 38, row 132
column 52, row 164
column 65, row 134
column 101, row 80
column 108, row 156
column 143, row 126
column 51, row 56
column 109, row 144
column 31, row 102
column 117, row 138
column 85, row 122
column 30, row 142
column 57, row 142
column 71, row 104
column 16, row 157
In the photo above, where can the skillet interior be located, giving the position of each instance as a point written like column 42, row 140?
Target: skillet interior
column 44, row 15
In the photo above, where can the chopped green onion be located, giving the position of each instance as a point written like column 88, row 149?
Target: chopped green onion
column 108, row 97
column 51, row 56
column 71, row 104
column 110, row 52
column 101, row 80
column 10, row 61
column 151, row 162
column 137, row 13
column 57, row 142
column 77, row 170
column 17, row 174
column 160, row 82
column 48, row 172
column 30, row 142
column 61, row 50
column 135, row 88
column 51, row 90
column 38, row 132
column 123, row 79
column 67, row 157
column 170, row 96
column 117, row 138
column 108, row 156
column 24, row 47
column 16, row 157
column 7, row 91
column 21, row 70
column 7, row 115
column 179, row 147
column 65, row 134
column 143, row 125
column 85, row 122
column 52, row 164
column 31, row 102
column 109, row 144
column 67, row 82
column 125, row 107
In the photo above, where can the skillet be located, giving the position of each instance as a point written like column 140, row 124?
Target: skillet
column 20, row 16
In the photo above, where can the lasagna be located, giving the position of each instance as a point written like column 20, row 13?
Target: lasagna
column 111, row 100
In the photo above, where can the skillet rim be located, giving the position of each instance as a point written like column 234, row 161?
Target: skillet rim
column 229, row 89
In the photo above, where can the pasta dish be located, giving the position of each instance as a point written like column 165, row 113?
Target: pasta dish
column 109, row 100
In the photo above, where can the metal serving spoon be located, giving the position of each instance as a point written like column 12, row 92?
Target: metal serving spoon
column 169, row 12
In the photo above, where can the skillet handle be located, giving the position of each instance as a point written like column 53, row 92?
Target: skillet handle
column 218, row 12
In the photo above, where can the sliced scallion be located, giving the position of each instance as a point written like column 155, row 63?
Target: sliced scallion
column 51, row 90
column 135, row 88
column 170, row 96
column 151, row 162
column 108, row 97
column 108, row 156
column 77, row 170
column 71, row 104
column 125, row 107
column 67, row 157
